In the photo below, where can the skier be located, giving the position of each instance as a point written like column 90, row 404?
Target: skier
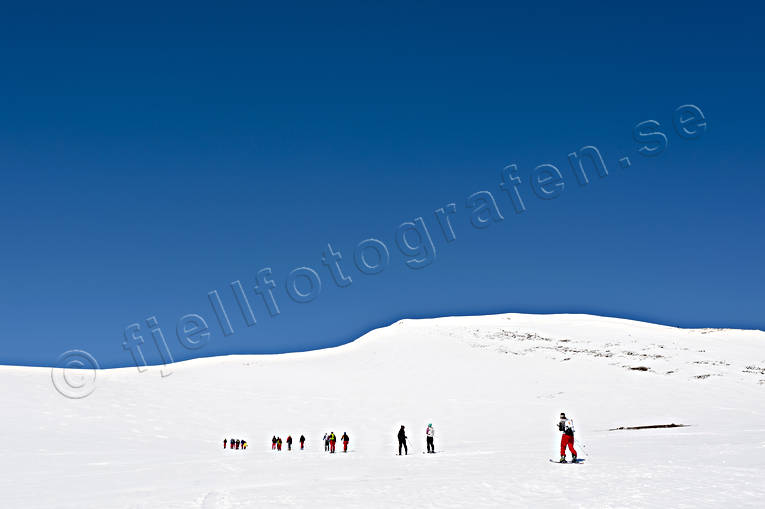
column 302, row 442
column 326, row 442
column 244, row 444
column 429, row 434
column 402, row 441
column 237, row 444
column 224, row 443
column 279, row 443
column 332, row 440
column 231, row 444
column 289, row 442
column 567, row 439
column 345, row 440
column 273, row 443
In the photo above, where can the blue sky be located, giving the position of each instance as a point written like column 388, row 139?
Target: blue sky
column 154, row 153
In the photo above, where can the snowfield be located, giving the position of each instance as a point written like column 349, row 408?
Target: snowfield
column 493, row 387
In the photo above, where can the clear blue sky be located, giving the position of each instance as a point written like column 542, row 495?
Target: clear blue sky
column 154, row 153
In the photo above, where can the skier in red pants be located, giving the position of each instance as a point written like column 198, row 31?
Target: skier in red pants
column 567, row 439
column 345, row 440
column 332, row 440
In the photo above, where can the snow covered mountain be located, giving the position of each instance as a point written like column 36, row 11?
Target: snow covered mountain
column 493, row 387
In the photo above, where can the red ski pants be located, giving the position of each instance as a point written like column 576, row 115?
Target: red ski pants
column 345, row 446
column 331, row 446
column 567, row 440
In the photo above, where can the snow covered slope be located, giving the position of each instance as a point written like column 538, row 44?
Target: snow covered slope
column 493, row 387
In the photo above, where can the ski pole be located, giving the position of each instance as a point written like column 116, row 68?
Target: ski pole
column 584, row 447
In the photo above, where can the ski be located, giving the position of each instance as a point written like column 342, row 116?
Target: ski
column 578, row 460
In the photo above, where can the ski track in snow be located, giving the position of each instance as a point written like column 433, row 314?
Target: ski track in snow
column 492, row 386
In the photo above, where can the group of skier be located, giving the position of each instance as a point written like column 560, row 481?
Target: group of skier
column 565, row 426
column 330, row 439
column 430, row 434
column 276, row 443
column 235, row 443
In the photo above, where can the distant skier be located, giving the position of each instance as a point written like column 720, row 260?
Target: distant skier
column 302, row 442
column 566, row 426
column 224, row 443
column 273, row 443
column 345, row 440
column 244, row 444
column 237, row 444
column 402, row 441
column 332, row 440
column 429, row 434
column 231, row 444
column 279, row 443
column 326, row 441
column 289, row 442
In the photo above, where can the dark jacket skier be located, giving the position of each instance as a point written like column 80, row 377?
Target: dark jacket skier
column 302, row 441
column 345, row 440
column 402, row 441
column 289, row 442
column 273, row 443
column 231, row 444
column 224, row 443
column 237, row 444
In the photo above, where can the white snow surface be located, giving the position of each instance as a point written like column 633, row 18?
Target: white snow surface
column 492, row 386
